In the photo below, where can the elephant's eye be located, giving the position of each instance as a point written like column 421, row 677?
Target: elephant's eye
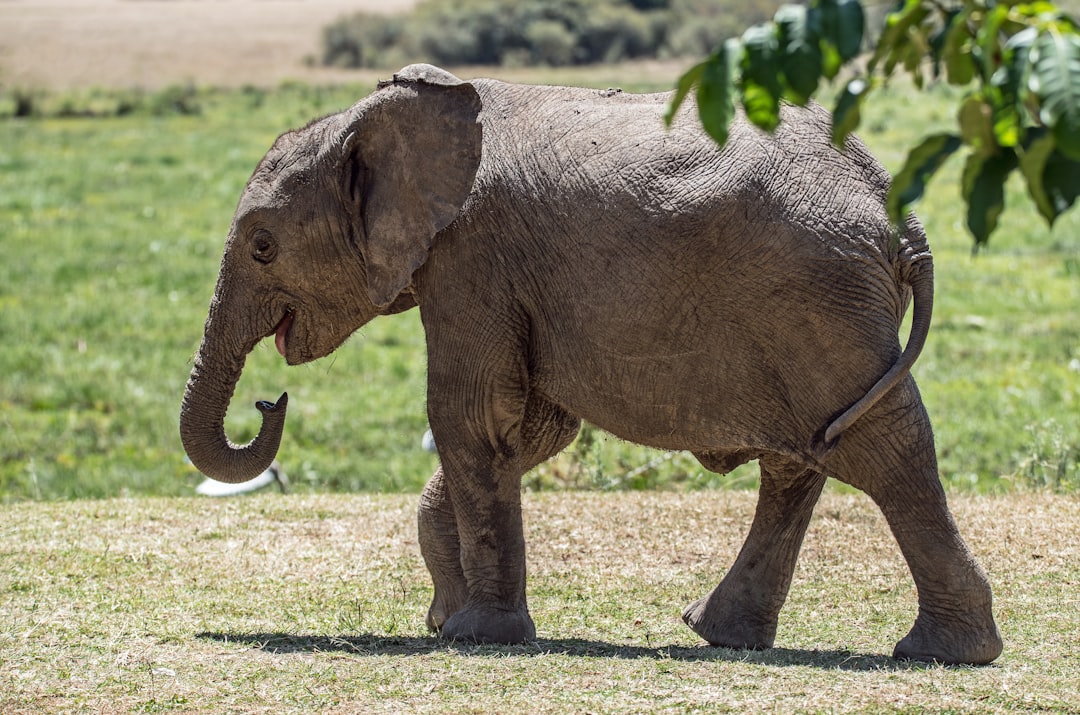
column 264, row 245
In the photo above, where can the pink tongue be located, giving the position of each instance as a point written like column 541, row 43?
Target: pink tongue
column 283, row 328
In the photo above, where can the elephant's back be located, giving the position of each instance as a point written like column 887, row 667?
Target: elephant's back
column 613, row 149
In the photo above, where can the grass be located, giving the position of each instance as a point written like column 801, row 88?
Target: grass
column 112, row 231
column 309, row 603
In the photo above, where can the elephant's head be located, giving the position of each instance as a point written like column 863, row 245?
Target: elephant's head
column 328, row 233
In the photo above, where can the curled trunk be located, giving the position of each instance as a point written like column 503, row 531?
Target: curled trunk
column 202, row 420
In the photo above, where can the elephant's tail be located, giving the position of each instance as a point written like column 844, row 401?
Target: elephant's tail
column 918, row 272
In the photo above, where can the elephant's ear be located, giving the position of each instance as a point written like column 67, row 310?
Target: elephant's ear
column 411, row 152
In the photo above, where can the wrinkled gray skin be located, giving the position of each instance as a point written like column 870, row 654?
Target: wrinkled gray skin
column 572, row 260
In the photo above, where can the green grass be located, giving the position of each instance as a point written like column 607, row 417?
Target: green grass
column 112, row 230
column 315, row 603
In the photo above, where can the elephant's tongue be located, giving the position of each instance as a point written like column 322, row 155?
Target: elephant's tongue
column 282, row 330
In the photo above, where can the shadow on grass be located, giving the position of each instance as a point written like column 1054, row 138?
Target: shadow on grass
column 377, row 645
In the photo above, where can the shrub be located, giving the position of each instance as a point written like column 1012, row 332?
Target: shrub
column 477, row 32
column 99, row 102
column 362, row 40
column 612, row 33
column 550, row 43
column 696, row 27
column 1052, row 460
column 176, row 99
column 538, row 32
column 24, row 103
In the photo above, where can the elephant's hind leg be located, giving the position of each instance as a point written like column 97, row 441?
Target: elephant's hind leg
column 742, row 611
column 889, row 454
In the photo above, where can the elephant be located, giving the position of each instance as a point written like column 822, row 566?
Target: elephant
column 574, row 259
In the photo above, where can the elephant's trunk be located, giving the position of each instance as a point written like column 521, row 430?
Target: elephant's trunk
column 202, row 420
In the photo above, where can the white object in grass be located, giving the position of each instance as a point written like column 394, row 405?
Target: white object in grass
column 273, row 475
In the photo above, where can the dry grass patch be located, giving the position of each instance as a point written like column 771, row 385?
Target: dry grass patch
column 303, row 603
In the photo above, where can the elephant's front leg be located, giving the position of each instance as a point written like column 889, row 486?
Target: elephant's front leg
column 742, row 611
column 489, row 426
column 487, row 510
column 478, row 388
column 546, row 430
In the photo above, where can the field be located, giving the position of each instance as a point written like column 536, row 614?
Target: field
column 315, row 603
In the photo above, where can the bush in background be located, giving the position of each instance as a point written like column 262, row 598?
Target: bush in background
column 697, row 27
column 362, row 40
column 21, row 103
column 538, row 32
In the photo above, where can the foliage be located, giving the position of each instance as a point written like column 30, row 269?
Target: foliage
column 1021, row 112
column 536, row 32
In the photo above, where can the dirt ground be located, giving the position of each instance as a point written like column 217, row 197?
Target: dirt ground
column 62, row 44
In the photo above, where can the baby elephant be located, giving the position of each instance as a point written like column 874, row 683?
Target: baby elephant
column 573, row 259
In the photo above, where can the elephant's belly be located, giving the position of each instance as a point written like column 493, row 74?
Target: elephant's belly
column 744, row 364
column 690, row 402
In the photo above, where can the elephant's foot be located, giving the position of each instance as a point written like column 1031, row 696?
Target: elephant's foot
column 721, row 623
column 486, row 624
column 945, row 641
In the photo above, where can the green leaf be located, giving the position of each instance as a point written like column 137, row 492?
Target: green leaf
column 1055, row 80
column 1041, row 10
column 761, row 88
column 894, row 39
column 828, row 19
column 976, row 119
column 983, row 184
column 848, row 111
column 1053, row 179
column 716, row 91
column 830, row 59
column 852, row 23
column 922, row 163
column 1011, row 115
column 841, row 24
column 686, row 82
column 913, row 54
column 1061, row 181
column 986, row 49
column 1006, row 91
column 800, row 53
column 956, row 50
column 1033, row 157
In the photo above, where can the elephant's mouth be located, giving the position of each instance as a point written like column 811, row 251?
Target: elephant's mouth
column 281, row 333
